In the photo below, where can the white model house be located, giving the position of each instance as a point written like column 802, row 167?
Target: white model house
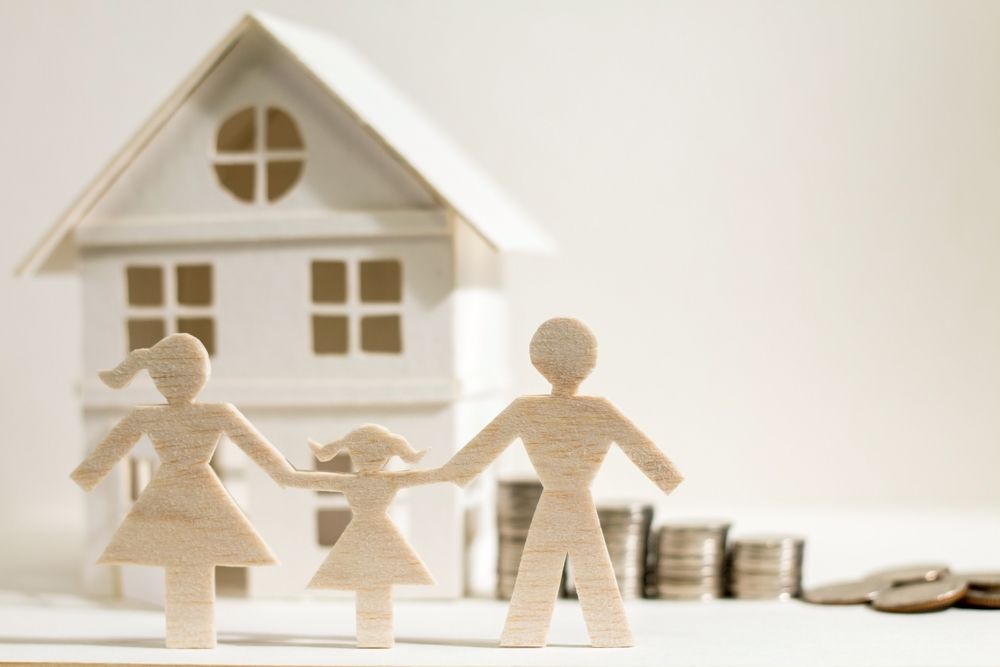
column 339, row 259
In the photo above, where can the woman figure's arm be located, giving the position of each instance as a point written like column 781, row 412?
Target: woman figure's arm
column 256, row 446
column 108, row 452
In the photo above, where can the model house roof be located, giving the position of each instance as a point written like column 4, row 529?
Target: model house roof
column 370, row 99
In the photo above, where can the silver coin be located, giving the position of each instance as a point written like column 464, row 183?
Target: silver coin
column 848, row 592
column 980, row 599
column 763, row 595
column 982, row 581
column 707, row 525
column 921, row 597
column 907, row 574
column 769, row 542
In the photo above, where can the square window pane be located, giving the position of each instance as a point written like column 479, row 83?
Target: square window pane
column 145, row 333
column 329, row 334
column 194, row 285
column 381, row 281
column 231, row 582
column 381, row 333
column 330, row 525
column 329, row 282
column 145, row 285
column 202, row 328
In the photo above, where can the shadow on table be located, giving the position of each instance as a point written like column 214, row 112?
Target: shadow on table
column 126, row 642
column 258, row 639
column 332, row 641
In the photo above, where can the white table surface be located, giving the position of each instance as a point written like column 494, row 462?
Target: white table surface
column 52, row 628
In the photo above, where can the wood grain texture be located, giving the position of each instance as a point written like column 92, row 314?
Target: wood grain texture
column 567, row 437
column 184, row 520
column 371, row 555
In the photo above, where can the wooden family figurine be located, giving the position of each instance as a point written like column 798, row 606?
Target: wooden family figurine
column 371, row 555
column 186, row 522
column 567, row 437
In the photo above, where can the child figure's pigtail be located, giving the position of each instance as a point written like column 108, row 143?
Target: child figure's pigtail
column 399, row 446
column 328, row 451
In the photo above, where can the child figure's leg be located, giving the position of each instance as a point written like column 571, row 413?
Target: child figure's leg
column 374, row 617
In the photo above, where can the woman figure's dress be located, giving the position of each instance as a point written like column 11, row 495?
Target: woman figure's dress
column 185, row 516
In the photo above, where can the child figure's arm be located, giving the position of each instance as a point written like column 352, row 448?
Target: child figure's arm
column 318, row 481
column 417, row 477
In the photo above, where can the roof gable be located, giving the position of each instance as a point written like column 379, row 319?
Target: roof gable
column 175, row 178
column 371, row 101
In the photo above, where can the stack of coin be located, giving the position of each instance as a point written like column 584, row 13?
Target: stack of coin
column 626, row 533
column 516, row 501
column 766, row 568
column 983, row 590
column 688, row 561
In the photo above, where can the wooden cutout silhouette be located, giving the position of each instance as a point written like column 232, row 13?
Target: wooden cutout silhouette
column 371, row 555
column 567, row 437
column 184, row 521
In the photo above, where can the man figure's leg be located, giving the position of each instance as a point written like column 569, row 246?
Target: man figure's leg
column 600, row 599
column 535, row 591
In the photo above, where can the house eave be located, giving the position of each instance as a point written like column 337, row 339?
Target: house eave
column 272, row 226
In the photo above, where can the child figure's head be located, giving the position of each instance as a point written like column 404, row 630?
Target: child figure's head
column 370, row 448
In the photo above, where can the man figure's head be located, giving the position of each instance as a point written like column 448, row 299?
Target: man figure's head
column 564, row 350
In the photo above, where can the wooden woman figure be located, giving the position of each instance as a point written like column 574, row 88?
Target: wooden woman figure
column 184, row 521
column 371, row 555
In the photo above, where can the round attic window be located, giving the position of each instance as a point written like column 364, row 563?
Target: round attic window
column 259, row 154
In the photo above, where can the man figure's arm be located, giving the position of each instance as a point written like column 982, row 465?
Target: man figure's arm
column 643, row 452
column 484, row 448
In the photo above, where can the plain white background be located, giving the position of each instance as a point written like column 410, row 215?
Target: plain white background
column 781, row 219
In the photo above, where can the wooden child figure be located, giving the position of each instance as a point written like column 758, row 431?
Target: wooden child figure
column 371, row 555
column 566, row 436
column 184, row 521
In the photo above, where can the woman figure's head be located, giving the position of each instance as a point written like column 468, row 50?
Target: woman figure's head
column 370, row 448
column 178, row 365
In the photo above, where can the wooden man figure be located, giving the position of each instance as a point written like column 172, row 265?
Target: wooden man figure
column 184, row 520
column 567, row 437
column 371, row 556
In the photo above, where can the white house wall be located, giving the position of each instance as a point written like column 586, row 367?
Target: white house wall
column 262, row 309
column 173, row 177
column 480, row 322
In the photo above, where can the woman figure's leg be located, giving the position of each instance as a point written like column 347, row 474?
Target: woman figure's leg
column 374, row 617
column 190, row 607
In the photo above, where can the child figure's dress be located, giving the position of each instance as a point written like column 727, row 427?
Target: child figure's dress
column 371, row 543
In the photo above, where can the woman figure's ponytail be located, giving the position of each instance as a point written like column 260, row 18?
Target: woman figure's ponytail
column 123, row 374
